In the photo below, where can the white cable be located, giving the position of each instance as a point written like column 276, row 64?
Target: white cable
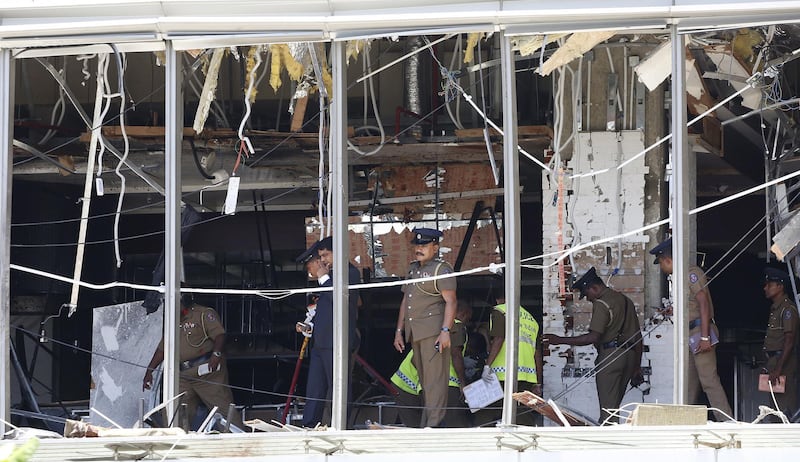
column 252, row 78
column 126, row 150
column 323, row 194
column 369, row 84
column 59, row 108
column 744, row 193
column 106, row 106
column 455, row 118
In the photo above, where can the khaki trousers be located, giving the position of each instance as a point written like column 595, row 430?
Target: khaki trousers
column 703, row 373
column 433, row 368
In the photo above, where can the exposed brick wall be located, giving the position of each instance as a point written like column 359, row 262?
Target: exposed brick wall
column 592, row 211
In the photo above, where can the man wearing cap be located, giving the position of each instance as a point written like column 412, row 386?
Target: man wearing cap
column 427, row 314
column 406, row 378
column 703, row 361
column 615, row 333
column 780, row 338
column 203, row 371
column 318, row 259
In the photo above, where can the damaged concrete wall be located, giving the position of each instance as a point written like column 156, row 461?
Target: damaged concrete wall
column 595, row 207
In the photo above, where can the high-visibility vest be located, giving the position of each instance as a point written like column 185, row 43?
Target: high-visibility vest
column 407, row 378
column 526, row 362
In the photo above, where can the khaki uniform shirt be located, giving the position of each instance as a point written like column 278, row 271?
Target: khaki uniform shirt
column 783, row 318
column 424, row 310
column 697, row 282
column 611, row 320
column 197, row 332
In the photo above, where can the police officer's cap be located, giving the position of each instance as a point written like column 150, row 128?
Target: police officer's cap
column 187, row 299
column 325, row 244
column 309, row 254
column 776, row 275
column 662, row 249
column 588, row 278
column 426, row 235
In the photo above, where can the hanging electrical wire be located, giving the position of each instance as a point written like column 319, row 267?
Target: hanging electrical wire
column 376, row 112
column 126, row 150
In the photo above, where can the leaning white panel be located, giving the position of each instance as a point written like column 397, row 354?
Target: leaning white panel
column 124, row 338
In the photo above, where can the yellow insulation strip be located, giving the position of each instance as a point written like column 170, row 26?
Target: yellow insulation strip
column 249, row 74
column 472, row 41
column 209, row 91
column 531, row 44
column 275, row 67
column 354, row 48
column 294, row 68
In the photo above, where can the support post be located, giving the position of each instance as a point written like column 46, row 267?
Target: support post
column 511, row 225
column 173, row 141
column 6, row 175
column 679, row 214
column 341, row 240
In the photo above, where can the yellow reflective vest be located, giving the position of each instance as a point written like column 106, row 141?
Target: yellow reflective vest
column 528, row 333
column 406, row 377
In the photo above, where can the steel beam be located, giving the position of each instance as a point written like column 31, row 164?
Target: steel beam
column 173, row 141
column 511, row 224
column 6, row 172
column 679, row 214
column 341, row 241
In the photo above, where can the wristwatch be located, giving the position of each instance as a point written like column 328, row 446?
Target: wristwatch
column 445, row 329
column 218, row 354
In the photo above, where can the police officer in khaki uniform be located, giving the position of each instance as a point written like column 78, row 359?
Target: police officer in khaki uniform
column 406, row 378
column 703, row 360
column 615, row 333
column 201, row 341
column 426, row 315
column 780, row 339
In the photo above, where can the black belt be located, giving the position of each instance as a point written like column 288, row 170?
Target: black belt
column 694, row 323
column 190, row 363
column 770, row 354
column 615, row 344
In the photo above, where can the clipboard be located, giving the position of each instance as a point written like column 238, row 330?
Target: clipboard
column 483, row 392
column 763, row 384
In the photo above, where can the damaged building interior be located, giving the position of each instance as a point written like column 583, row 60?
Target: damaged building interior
column 94, row 122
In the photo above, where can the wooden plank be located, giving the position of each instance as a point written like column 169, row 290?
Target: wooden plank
column 299, row 114
column 538, row 404
column 523, row 131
